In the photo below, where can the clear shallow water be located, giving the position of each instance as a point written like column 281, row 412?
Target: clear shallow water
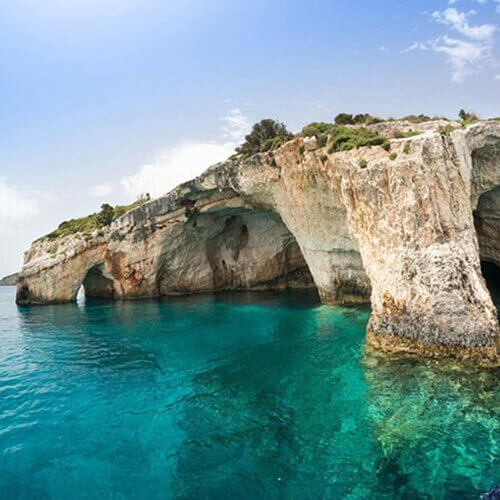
column 233, row 396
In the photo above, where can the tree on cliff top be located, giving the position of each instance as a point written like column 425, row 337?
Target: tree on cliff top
column 266, row 135
column 467, row 117
column 105, row 216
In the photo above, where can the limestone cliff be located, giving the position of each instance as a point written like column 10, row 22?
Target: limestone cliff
column 398, row 227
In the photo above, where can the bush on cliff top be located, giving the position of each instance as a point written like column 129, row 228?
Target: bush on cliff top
column 465, row 116
column 266, row 135
column 92, row 222
column 316, row 129
column 345, row 138
column 359, row 119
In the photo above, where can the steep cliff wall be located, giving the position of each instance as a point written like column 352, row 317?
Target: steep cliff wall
column 397, row 226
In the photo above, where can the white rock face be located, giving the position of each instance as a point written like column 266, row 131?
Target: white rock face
column 400, row 230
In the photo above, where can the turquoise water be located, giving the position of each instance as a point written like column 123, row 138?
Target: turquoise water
column 234, row 396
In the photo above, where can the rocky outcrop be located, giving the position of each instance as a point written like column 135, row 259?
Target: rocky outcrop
column 395, row 226
column 9, row 280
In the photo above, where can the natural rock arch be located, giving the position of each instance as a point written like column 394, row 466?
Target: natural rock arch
column 397, row 227
column 231, row 248
column 98, row 283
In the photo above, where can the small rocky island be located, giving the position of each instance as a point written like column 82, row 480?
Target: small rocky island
column 399, row 213
column 9, row 280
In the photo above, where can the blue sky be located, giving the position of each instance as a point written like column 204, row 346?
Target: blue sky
column 103, row 99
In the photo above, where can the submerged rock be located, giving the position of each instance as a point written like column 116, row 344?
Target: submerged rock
column 395, row 226
column 494, row 494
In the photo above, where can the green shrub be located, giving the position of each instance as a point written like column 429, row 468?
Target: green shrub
column 446, row 130
column 467, row 117
column 266, row 135
column 345, row 138
column 407, row 149
column 105, row 216
column 386, row 145
column 316, row 128
column 323, row 158
column 362, row 163
column 359, row 119
column 393, row 156
column 87, row 225
column 466, row 123
column 302, row 149
column 119, row 210
column 322, row 140
column 274, row 143
column 344, row 119
column 365, row 119
column 417, row 118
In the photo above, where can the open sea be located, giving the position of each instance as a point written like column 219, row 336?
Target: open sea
column 232, row 396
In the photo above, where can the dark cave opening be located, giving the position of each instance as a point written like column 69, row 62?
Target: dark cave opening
column 96, row 285
column 491, row 274
column 487, row 225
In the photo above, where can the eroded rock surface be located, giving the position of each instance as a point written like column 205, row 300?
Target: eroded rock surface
column 353, row 224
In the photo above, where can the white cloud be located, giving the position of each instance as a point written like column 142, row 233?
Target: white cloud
column 416, row 46
column 465, row 58
column 497, row 77
column 100, row 190
column 459, row 22
column 382, row 48
column 235, row 126
column 15, row 203
column 179, row 164
column 187, row 160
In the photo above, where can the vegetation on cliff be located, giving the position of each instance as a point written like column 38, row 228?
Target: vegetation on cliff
column 343, row 138
column 349, row 131
column 96, row 221
column 266, row 135
column 359, row 119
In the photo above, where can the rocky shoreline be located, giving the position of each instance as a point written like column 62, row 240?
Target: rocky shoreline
column 403, row 227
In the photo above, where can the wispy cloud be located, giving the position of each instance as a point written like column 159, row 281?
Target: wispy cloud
column 459, row 22
column 187, row 160
column 417, row 46
column 235, row 125
column 468, row 55
column 464, row 57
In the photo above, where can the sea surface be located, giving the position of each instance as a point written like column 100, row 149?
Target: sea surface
column 242, row 396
